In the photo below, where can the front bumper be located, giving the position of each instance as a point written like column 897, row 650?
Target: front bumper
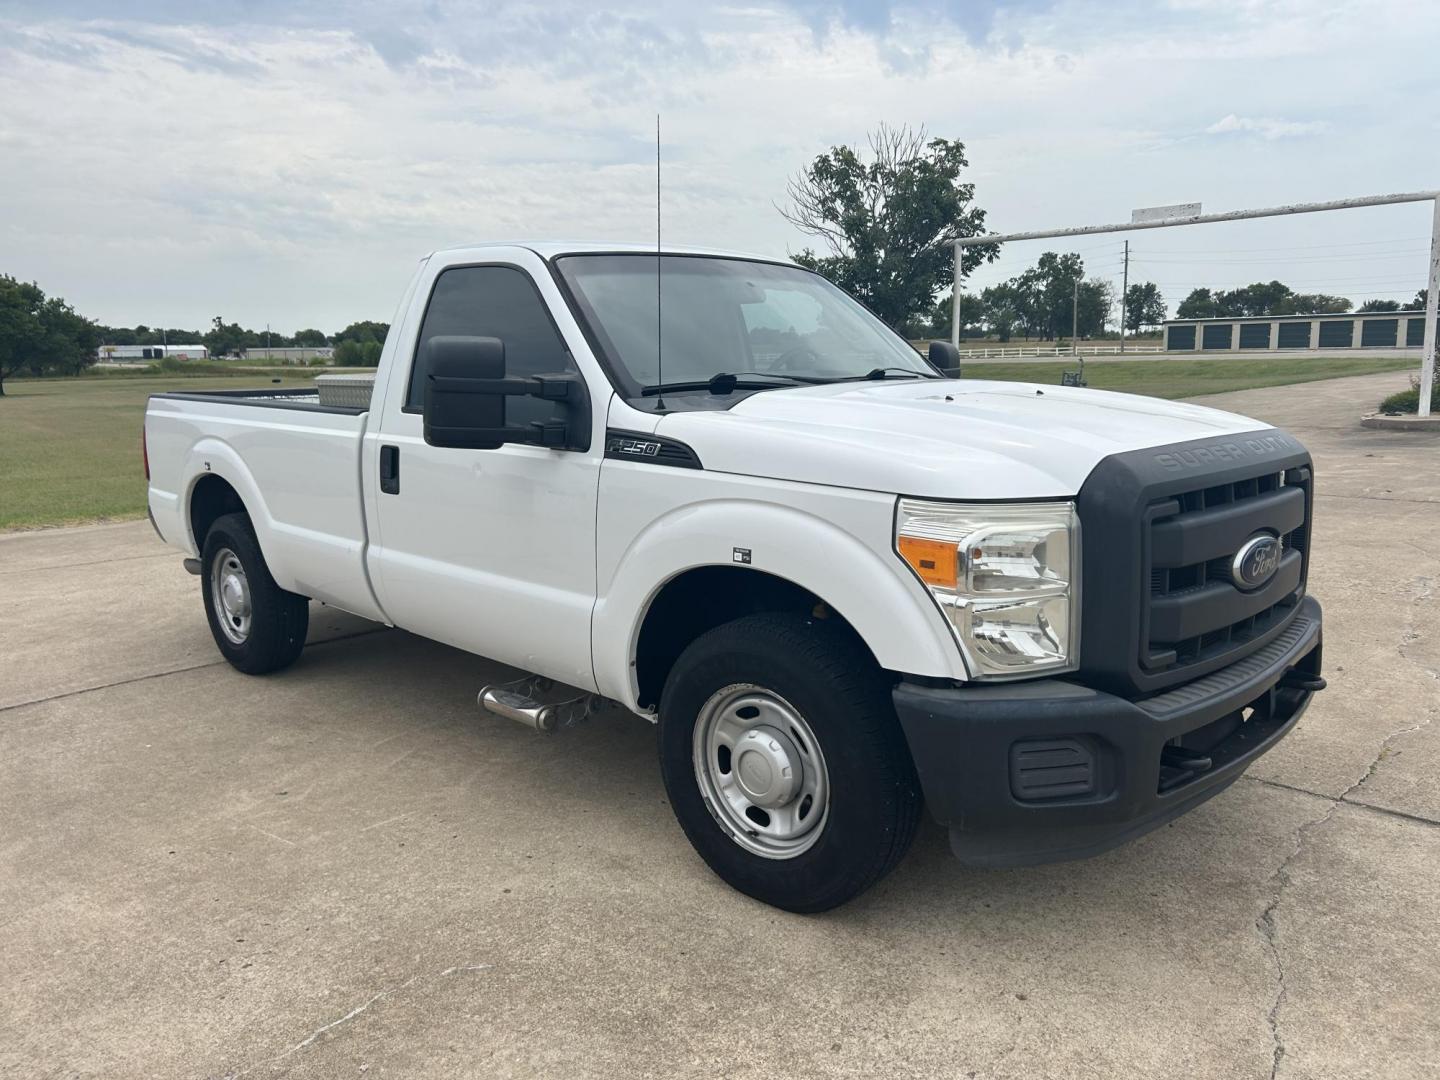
column 1041, row 771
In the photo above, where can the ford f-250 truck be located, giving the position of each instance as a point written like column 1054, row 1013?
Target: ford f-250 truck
column 717, row 491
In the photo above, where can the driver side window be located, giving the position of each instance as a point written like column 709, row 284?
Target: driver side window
column 501, row 302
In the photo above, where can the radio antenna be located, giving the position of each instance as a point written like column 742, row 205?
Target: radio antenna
column 659, row 325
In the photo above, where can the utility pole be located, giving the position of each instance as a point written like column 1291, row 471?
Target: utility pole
column 1124, row 288
column 1075, row 319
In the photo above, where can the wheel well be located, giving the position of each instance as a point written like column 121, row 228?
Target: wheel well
column 701, row 599
column 212, row 498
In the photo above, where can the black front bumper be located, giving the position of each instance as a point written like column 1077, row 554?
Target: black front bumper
column 1041, row 771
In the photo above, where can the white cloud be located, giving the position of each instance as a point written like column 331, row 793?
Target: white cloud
column 288, row 161
column 1266, row 127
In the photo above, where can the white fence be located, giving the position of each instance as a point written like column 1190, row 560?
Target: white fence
column 1025, row 352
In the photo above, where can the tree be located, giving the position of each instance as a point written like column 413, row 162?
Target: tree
column 20, row 304
column 349, row 354
column 68, row 341
column 942, row 314
column 888, row 222
column 1057, row 277
column 1003, row 307
column 1378, row 305
column 41, row 336
column 361, row 332
column 1144, row 306
column 1093, row 302
column 1313, row 304
column 1418, row 304
column 310, row 339
column 1199, row 304
column 224, row 339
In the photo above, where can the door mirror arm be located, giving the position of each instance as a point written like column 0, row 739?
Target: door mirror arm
column 465, row 391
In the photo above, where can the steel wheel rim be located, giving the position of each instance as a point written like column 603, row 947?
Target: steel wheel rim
column 230, row 595
column 746, row 738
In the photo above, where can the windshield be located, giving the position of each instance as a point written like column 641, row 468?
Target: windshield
column 729, row 316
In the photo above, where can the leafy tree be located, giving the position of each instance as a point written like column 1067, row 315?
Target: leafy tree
column 887, row 219
column 1092, row 307
column 20, row 332
column 68, row 341
column 937, row 325
column 361, row 332
column 1003, row 306
column 1261, row 298
column 41, row 336
column 1378, row 305
column 349, row 354
column 370, row 353
column 1418, row 304
column 224, row 339
column 310, row 339
column 1200, row 304
column 1144, row 306
column 1058, row 277
column 1312, row 304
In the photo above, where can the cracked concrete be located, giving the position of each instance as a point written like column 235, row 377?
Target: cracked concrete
column 344, row 870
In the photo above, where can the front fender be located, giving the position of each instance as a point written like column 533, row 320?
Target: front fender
column 873, row 590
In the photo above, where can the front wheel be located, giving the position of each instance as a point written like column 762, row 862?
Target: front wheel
column 784, row 762
column 258, row 626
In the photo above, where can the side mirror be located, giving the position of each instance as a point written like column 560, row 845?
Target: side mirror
column 945, row 356
column 465, row 391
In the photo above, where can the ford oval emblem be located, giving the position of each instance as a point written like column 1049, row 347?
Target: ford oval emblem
column 1256, row 561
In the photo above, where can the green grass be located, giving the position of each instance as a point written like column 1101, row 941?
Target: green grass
column 1191, row 378
column 70, row 448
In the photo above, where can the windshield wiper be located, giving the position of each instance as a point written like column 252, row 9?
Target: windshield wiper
column 884, row 373
column 724, row 382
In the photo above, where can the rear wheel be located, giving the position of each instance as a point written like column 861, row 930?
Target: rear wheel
column 258, row 626
column 784, row 762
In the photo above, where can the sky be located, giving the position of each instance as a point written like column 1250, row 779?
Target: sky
column 289, row 161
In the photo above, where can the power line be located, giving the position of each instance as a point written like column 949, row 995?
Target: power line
column 1409, row 253
column 1293, row 247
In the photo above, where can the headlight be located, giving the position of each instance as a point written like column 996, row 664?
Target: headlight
column 1005, row 575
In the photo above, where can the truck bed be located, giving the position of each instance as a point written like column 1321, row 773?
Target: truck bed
column 295, row 464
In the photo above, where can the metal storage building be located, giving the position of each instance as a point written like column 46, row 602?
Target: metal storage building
column 1371, row 330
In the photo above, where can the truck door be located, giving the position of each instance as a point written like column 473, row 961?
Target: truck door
column 492, row 551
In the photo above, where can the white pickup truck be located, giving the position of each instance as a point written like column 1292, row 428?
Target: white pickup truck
column 843, row 583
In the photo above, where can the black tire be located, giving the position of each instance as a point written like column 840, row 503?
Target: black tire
column 279, row 620
column 822, row 670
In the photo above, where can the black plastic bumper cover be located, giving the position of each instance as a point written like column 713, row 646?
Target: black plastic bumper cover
column 972, row 745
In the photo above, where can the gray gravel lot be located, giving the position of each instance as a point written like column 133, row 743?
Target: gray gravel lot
column 345, row 870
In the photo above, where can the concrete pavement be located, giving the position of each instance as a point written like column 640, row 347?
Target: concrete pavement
column 345, row 870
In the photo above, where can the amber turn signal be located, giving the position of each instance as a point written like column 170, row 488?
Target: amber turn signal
column 936, row 561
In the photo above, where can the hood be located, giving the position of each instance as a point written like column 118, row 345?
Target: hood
column 940, row 438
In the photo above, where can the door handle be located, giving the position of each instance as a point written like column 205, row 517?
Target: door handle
column 390, row 470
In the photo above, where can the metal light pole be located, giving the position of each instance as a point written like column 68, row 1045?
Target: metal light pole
column 1432, row 310
column 1432, row 297
column 955, row 305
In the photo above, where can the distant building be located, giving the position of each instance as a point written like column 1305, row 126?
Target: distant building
column 1371, row 330
column 289, row 354
column 122, row 354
